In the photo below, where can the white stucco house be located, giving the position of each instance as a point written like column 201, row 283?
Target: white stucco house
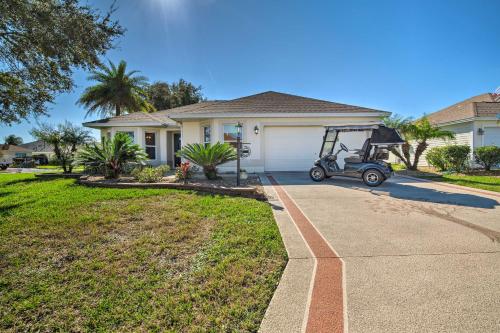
column 475, row 122
column 284, row 132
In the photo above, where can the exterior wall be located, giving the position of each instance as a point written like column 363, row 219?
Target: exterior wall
column 163, row 140
column 463, row 136
column 192, row 133
column 478, row 138
column 6, row 156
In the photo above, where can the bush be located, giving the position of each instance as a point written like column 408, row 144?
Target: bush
column 184, row 172
column 487, row 156
column 208, row 156
column 112, row 155
column 456, row 157
column 449, row 158
column 435, row 158
column 150, row 174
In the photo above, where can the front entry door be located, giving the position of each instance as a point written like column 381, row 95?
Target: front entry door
column 177, row 146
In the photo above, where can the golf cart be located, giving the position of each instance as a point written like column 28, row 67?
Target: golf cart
column 369, row 163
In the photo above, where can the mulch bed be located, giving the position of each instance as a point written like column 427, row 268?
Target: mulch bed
column 225, row 185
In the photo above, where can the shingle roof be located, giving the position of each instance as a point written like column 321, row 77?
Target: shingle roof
column 274, row 102
column 155, row 118
column 13, row 148
column 38, row 145
column 263, row 103
column 484, row 105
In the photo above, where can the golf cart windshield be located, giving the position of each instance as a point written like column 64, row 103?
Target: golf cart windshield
column 380, row 136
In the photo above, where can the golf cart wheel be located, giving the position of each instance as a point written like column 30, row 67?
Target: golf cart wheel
column 317, row 174
column 373, row 177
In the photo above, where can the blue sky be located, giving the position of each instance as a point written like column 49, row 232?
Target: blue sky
column 407, row 57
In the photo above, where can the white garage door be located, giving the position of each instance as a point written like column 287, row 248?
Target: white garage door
column 492, row 136
column 295, row 148
column 291, row 148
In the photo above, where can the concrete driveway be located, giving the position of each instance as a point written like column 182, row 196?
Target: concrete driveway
column 417, row 257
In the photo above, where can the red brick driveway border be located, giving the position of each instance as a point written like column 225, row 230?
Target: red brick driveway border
column 326, row 310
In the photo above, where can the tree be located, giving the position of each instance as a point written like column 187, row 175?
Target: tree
column 65, row 138
column 116, row 92
column 417, row 133
column 209, row 156
column 41, row 43
column 13, row 140
column 112, row 154
column 165, row 95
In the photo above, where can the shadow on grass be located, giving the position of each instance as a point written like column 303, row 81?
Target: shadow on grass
column 28, row 181
column 6, row 210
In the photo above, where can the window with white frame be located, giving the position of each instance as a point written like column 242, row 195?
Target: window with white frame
column 150, row 144
column 230, row 134
column 206, row 135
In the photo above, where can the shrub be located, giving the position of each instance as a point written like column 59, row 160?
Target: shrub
column 150, row 174
column 209, row 156
column 487, row 156
column 449, row 158
column 435, row 158
column 456, row 157
column 184, row 172
column 112, row 155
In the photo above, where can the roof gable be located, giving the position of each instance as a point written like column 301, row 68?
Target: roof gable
column 484, row 105
column 265, row 103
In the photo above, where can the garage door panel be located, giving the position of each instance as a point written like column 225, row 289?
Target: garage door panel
column 492, row 136
column 295, row 148
column 291, row 148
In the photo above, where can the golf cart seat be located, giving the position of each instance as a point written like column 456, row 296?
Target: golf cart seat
column 361, row 154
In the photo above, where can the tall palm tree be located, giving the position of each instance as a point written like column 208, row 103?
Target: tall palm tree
column 116, row 92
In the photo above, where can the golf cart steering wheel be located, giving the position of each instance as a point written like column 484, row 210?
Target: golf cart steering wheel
column 343, row 147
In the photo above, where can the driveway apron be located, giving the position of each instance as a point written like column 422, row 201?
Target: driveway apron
column 406, row 256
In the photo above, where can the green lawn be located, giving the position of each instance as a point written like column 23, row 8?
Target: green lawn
column 56, row 168
column 491, row 183
column 74, row 258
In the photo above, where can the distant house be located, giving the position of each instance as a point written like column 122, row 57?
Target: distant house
column 40, row 148
column 10, row 152
column 475, row 122
column 284, row 132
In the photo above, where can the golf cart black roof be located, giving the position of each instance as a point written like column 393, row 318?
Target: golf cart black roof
column 381, row 135
column 385, row 136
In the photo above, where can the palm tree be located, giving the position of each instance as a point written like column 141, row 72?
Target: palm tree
column 209, row 156
column 417, row 133
column 116, row 92
column 14, row 140
column 112, row 155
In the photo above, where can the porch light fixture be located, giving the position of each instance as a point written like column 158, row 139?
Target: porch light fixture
column 256, row 129
column 480, row 131
column 238, row 127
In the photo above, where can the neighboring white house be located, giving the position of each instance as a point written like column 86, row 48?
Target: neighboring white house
column 42, row 151
column 475, row 122
column 9, row 152
column 284, row 132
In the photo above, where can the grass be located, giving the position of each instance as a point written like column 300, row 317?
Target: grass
column 74, row 258
column 490, row 183
column 479, row 179
column 56, row 168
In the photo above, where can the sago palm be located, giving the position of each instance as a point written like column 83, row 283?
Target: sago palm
column 112, row 154
column 116, row 92
column 209, row 156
